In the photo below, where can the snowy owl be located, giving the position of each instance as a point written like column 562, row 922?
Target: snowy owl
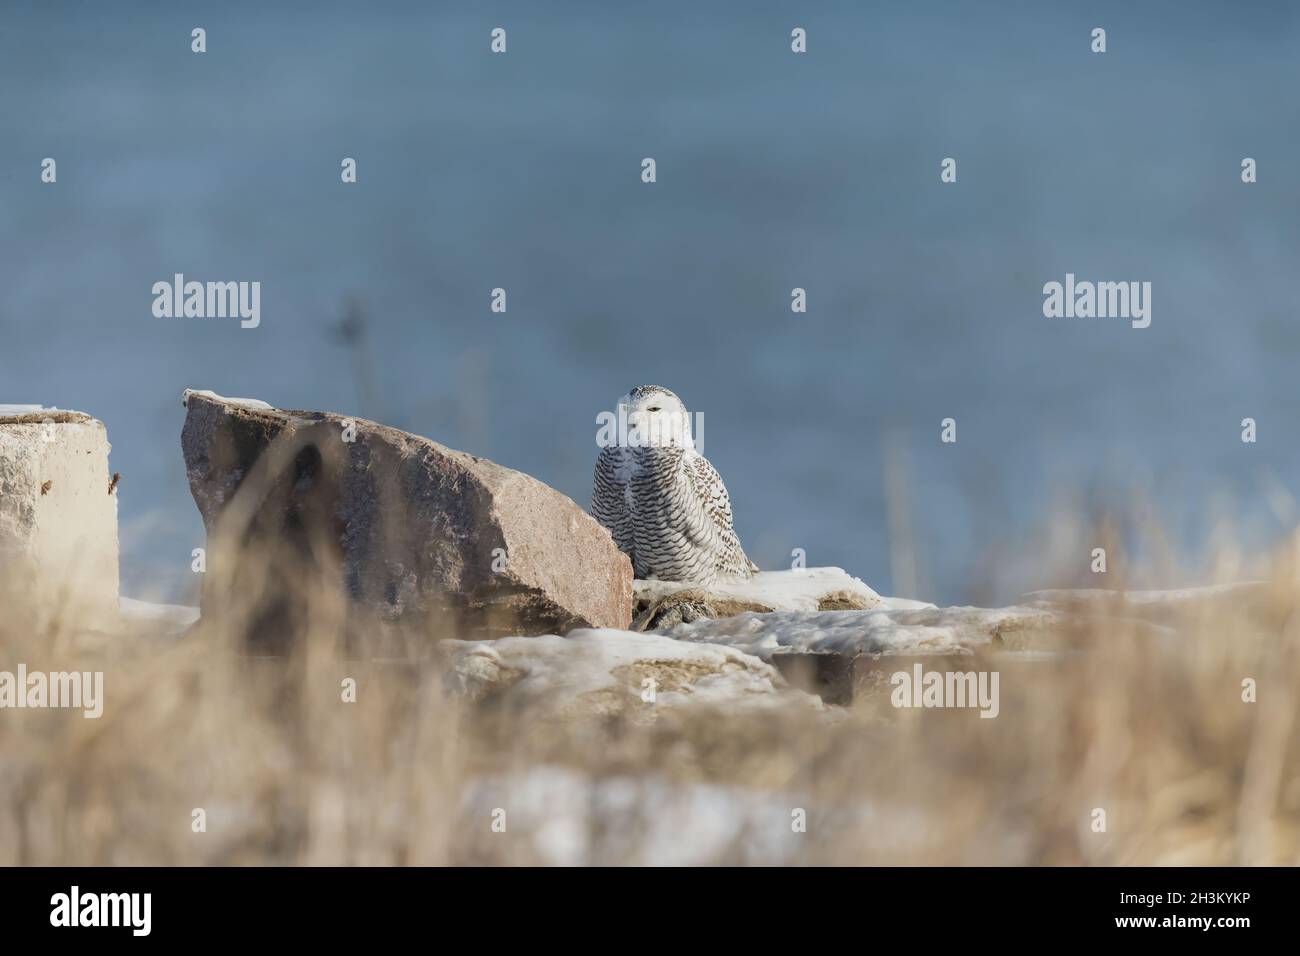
column 665, row 505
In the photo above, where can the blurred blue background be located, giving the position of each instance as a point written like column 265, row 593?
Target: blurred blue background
column 775, row 170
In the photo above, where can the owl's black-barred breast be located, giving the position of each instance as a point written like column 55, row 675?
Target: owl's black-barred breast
column 662, row 501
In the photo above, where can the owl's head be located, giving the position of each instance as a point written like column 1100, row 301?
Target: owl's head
column 655, row 418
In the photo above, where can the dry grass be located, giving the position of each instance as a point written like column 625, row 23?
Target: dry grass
column 1148, row 725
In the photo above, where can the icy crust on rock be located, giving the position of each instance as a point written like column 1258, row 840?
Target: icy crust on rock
column 254, row 403
column 893, row 632
column 795, row 590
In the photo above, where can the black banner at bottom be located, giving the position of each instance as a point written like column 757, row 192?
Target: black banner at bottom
column 337, row 905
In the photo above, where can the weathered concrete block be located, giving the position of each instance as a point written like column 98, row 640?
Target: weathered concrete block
column 58, row 516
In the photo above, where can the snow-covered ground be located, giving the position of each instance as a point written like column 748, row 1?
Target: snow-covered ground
column 570, row 818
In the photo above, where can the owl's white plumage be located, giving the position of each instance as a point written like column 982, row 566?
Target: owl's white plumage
column 665, row 505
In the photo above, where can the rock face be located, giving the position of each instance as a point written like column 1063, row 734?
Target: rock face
column 663, row 604
column 58, row 516
column 407, row 526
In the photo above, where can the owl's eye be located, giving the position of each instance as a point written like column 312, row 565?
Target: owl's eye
column 654, row 408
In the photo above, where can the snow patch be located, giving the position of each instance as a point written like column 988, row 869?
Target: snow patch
column 794, row 590
column 570, row 818
column 173, row 618
column 252, row 403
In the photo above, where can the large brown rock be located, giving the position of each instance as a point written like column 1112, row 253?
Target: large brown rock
column 405, row 527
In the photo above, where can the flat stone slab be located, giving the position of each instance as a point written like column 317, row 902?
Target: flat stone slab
column 840, row 655
column 603, row 672
column 926, row 631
